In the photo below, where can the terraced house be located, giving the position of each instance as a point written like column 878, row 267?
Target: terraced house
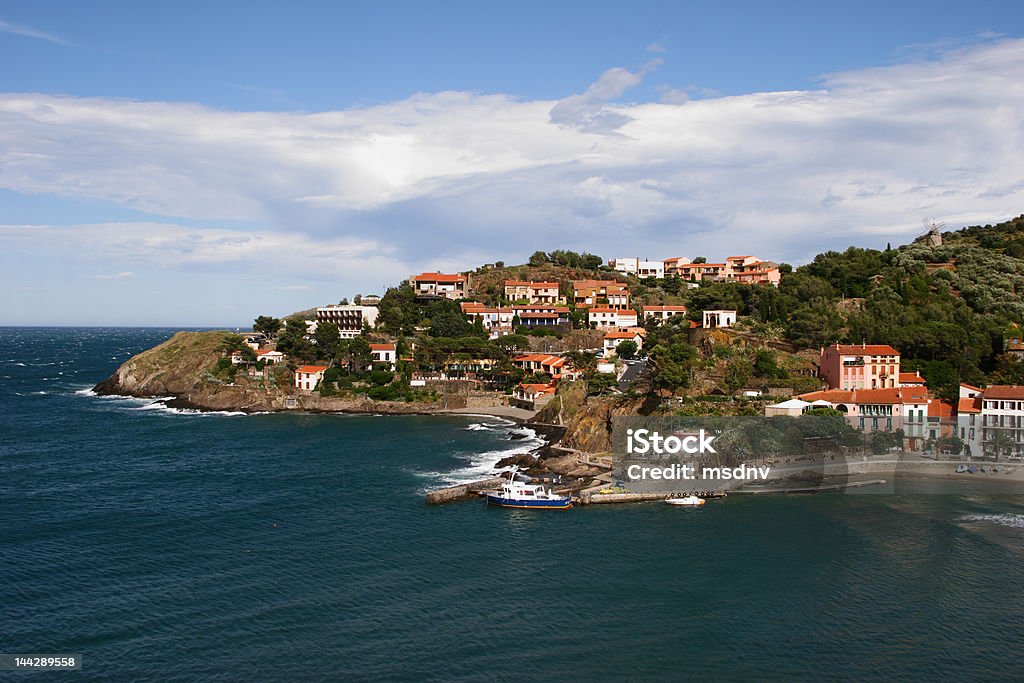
column 533, row 292
column 609, row 293
column 440, row 285
column 860, row 366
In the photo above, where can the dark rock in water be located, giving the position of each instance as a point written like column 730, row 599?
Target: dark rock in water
column 108, row 387
column 520, row 459
column 516, row 437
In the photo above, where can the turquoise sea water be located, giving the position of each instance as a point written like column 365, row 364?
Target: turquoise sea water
column 298, row 547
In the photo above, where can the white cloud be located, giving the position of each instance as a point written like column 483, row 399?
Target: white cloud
column 587, row 111
column 125, row 275
column 19, row 30
column 453, row 179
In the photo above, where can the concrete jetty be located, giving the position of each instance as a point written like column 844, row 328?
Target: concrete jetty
column 814, row 489
column 463, row 491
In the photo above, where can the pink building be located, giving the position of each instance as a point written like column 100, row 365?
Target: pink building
column 860, row 366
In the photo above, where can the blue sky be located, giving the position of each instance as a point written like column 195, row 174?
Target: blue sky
column 202, row 163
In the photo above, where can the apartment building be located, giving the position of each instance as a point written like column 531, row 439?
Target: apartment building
column 663, row 312
column 860, row 366
column 600, row 293
column 606, row 317
column 440, row 285
column 990, row 421
column 533, row 292
column 348, row 319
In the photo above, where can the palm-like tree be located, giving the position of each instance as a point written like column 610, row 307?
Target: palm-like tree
column 1001, row 442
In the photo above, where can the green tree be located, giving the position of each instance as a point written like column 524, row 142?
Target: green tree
column 267, row 325
column 671, row 363
column 398, row 313
column 626, row 349
column 359, row 354
column 448, row 320
column 328, row 339
column 815, row 324
column 538, row 258
column 1000, row 443
column 601, row 383
column 737, row 374
column 233, row 342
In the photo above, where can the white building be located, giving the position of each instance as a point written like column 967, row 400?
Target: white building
column 605, row 318
column 348, row 319
column 638, row 267
column 992, row 419
column 663, row 312
column 440, row 285
column 384, row 353
column 308, row 376
column 269, row 357
column 613, row 339
column 719, row 319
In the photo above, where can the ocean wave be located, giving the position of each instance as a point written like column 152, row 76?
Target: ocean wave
column 160, row 406
column 1006, row 519
column 484, row 464
column 86, row 392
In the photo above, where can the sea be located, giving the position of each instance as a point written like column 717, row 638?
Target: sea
column 181, row 546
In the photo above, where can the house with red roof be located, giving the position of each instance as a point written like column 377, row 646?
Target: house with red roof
column 613, row 339
column 860, row 366
column 558, row 367
column 533, row 292
column 308, row 376
column 533, row 396
column 440, row 285
column 610, row 293
column 991, row 421
column 663, row 312
column 384, row 353
column 871, row 410
column 607, row 317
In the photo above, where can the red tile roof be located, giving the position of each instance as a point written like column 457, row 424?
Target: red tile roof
column 940, row 409
column 382, row 347
column 664, row 309
column 911, row 378
column 969, row 405
column 538, row 389
column 438, row 277
column 622, row 335
column 311, row 369
column 912, row 395
column 1005, row 391
column 865, row 349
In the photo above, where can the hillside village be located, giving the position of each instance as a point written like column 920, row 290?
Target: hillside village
column 917, row 343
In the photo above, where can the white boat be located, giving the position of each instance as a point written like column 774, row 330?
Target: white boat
column 518, row 494
column 688, row 501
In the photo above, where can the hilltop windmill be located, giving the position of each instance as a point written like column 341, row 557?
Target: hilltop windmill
column 932, row 234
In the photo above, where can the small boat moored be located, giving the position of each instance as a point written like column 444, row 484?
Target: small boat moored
column 688, row 501
column 518, row 494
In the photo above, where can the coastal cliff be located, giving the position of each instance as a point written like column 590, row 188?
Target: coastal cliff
column 182, row 368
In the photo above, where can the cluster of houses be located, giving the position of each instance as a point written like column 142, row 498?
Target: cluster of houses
column 743, row 269
column 866, row 385
column 864, row 382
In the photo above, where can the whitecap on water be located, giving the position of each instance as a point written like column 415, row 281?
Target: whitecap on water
column 1006, row 519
